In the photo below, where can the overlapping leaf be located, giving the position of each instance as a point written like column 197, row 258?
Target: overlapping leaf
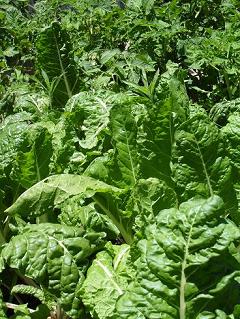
column 200, row 165
column 32, row 165
column 55, row 57
column 54, row 190
column 75, row 213
column 54, row 256
column 124, row 134
column 105, row 282
column 163, row 116
column 186, row 265
column 91, row 115
column 12, row 135
column 51, row 192
column 231, row 133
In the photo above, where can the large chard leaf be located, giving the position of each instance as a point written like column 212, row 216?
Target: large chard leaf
column 54, row 53
column 51, row 192
column 124, row 134
column 105, row 282
column 54, row 190
column 163, row 116
column 199, row 162
column 12, row 135
column 32, row 161
column 231, row 134
column 54, row 256
column 185, row 266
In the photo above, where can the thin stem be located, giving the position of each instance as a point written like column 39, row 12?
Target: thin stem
column 205, row 171
column 14, row 306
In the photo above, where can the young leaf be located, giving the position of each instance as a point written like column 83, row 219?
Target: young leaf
column 12, row 135
column 87, row 217
column 91, row 114
column 54, row 53
column 148, row 197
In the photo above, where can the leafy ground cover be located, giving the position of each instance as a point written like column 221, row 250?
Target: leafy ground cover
column 120, row 159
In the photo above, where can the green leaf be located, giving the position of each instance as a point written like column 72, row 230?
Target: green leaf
column 32, row 165
column 163, row 117
column 73, row 213
column 184, row 267
column 12, row 135
column 91, row 114
column 105, row 282
column 51, row 192
column 2, row 307
column 108, row 55
column 148, row 197
column 220, row 112
column 54, row 53
column 35, row 292
column 124, row 134
column 199, row 162
column 231, row 135
column 54, row 190
column 98, row 168
column 54, row 255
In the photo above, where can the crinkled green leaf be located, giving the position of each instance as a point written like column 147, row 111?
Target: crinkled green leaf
column 54, row 190
column 124, row 135
column 152, row 195
column 148, row 197
column 220, row 112
column 54, row 54
column 36, row 292
column 31, row 166
column 163, row 116
column 63, row 142
column 105, row 281
column 29, row 101
column 231, row 135
column 12, row 135
column 98, row 168
column 92, row 117
column 199, row 162
column 184, row 266
column 51, row 192
column 74, row 213
column 54, row 255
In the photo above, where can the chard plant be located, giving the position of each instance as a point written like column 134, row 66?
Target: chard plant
column 119, row 163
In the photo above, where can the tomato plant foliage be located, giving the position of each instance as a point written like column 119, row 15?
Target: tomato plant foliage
column 119, row 159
